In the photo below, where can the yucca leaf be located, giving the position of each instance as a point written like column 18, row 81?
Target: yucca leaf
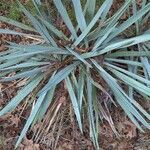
column 121, row 97
column 79, row 14
column 145, row 60
column 28, row 53
column 123, row 67
column 97, row 85
column 132, row 69
column 7, row 52
column 120, row 44
column 130, row 21
column 73, row 78
column 138, row 106
column 136, row 113
column 45, row 104
column 134, row 76
column 123, row 61
column 61, row 75
column 53, row 29
column 90, row 9
column 35, row 48
column 21, row 95
column 79, row 57
column 92, row 23
column 146, row 65
column 25, row 65
column 7, row 31
column 39, row 27
column 10, row 62
column 135, row 103
column 61, row 9
column 127, row 43
column 16, row 23
column 96, row 115
column 134, row 10
column 103, row 38
column 114, row 19
column 97, row 33
column 35, row 2
column 74, row 102
column 38, row 2
column 31, row 118
column 91, row 113
column 105, row 13
column 81, row 84
column 24, row 74
column 3, row 74
column 127, row 54
column 145, row 19
column 135, row 84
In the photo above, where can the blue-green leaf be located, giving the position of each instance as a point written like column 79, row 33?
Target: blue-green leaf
column 21, row 94
column 31, row 118
column 74, row 102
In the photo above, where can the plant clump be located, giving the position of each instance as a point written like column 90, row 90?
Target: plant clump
column 91, row 55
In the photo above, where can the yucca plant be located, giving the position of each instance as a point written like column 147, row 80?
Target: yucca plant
column 91, row 54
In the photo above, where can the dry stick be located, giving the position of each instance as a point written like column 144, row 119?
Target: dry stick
column 46, row 120
column 55, row 113
column 51, row 121
column 43, row 127
column 58, row 132
column 56, row 109
column 10, row 86
column 53, row 67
